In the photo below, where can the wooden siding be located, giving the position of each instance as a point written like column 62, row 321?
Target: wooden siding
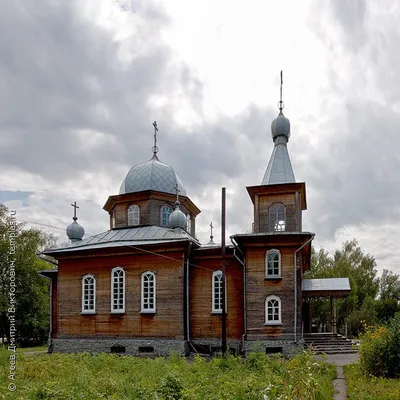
column 204, row 324
column 168, row 320
column 258, row 289
column 292, row 211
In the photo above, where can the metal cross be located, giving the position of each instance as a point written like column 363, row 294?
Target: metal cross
column 177, row 191
column 75, row 207
column 280, row 100
column 211, row 226
column 155, row 148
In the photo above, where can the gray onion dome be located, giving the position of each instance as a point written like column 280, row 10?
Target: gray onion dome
column 75, row 231
column 280, row 126
column 177, row 219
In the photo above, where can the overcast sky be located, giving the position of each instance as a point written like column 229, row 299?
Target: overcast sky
column 81, row 82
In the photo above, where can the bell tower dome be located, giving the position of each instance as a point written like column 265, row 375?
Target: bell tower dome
column 279, row 200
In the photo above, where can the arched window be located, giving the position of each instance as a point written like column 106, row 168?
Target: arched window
column 112, row 219
column 166, row 211
column 217, row 292
column 148, row 292
column 277, row 222
column 88, row 294
column 133, row 215
column 117, row 290
column 188, row 223
column 273, row 264
column 272, row 310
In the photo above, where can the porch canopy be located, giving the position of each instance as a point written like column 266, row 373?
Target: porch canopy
column 328, row 287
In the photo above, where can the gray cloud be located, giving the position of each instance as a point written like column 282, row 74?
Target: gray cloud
column 73, row 108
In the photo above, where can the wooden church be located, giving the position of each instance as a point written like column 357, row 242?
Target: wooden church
column 148, row 286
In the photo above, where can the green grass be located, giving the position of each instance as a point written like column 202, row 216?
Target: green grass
column 107, row 376
column 360, row 387
column 32, row 349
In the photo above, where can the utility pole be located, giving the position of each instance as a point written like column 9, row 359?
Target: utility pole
column 223, row 319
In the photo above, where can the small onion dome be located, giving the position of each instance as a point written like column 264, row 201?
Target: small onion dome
column 177, row 219
column 75, row 231
column 280, row 126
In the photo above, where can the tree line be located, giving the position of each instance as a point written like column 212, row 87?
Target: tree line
column 373, row 299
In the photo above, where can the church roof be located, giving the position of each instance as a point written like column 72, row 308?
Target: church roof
column 279, row 168
column 126, row 237
column 152, row 175
column 335, row 287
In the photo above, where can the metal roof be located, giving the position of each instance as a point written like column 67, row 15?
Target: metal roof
column 152, row 175
column 279, row 168
column 327, row 284
column 127, row 237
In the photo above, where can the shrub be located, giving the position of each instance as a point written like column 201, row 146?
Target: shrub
column 380, row 349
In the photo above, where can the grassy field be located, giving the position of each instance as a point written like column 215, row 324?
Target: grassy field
column 106, row 376
column 370, row 388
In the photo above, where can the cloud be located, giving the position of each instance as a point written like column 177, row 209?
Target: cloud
column 82, row 82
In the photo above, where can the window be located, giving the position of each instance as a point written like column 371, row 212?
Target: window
column 273, row 264
column 277, row 218
column 88, row 294
column 148, row 292
column 133, row 215
column 188, row 223
column 166, row 211
column 112, row 219
column 272, row 310
column 117, row 290
column 217, row 292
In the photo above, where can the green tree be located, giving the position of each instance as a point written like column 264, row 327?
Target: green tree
column 348, row 262
column 389, row 296
column 31, row 290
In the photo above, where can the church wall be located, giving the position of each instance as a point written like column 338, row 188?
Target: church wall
column 204, row 324
column 166, row 323
column 258, row 289
column 261, row 212
column 150, row 212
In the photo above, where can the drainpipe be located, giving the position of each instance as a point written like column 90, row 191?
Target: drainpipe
column 243, row 263
column 189, row 251
column 295, row 286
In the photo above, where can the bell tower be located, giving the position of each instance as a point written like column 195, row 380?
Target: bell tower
column 279, row 200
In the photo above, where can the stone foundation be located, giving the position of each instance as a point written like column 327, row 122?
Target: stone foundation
column 164, row 347
column 286, row 347
column 137, row 347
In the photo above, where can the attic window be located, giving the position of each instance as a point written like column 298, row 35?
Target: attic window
column 166, row 211
column 133, row 215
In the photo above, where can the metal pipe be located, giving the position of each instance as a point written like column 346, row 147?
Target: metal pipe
column 189, row 251
column 243, row 263
column 223, row 219
column 295, row 286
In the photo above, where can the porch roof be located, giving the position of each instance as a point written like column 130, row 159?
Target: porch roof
column 333, row 287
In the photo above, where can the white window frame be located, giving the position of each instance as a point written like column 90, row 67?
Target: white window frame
column 112, row 218
column 273, row 321
column 113, row 309
column 93, row 310
column 162, row 214
column 132, row 219
column 269, row 252
column 189, row 223
column 142, row 296
column 274, row 224
column 213, row 309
